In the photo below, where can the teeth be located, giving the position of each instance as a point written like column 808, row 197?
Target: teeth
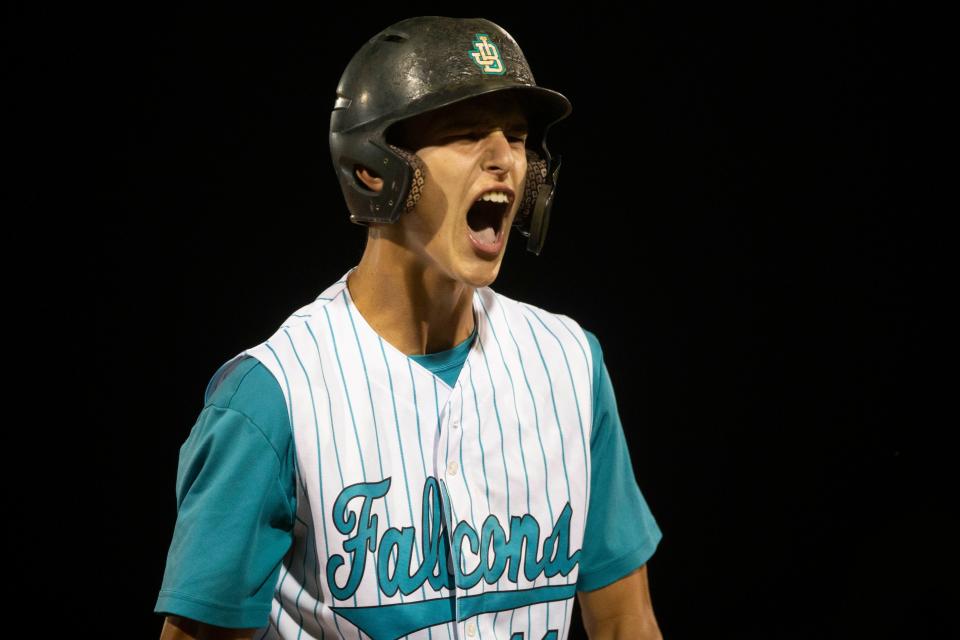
column 495, row 196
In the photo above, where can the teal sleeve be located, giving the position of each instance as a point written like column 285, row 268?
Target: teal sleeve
column 621, row 532
column 236, row 504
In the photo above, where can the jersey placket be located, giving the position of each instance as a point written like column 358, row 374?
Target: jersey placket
column 450, row 461
column 457, row 505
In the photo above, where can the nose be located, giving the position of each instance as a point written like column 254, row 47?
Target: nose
column 499, row 156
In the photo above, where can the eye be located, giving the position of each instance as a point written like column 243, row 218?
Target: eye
column 469, row 135
column 478, row 135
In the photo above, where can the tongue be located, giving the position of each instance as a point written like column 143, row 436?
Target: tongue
column 487, row 235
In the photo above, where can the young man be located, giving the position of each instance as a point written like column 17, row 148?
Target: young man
column 413, row 454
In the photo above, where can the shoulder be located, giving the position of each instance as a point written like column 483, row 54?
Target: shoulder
column 595, row 348
column 301, row 327
column 245, row 385
column 540, row 316
column 596, row 355
column 566, row 329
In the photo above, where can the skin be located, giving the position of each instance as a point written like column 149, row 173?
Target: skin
column 415, row 282
column 620, row 610
column 180, row 628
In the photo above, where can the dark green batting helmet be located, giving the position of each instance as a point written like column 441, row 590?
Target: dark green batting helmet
column 419, row 65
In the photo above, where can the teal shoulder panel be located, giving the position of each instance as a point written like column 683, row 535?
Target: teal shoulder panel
column 236, row 503
column 621, row 532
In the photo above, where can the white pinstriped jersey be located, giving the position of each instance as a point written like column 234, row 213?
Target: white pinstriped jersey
column 425, row 511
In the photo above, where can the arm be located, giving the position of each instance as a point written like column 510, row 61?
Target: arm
column 179, row 628
column 236, row 505
column 620, row 610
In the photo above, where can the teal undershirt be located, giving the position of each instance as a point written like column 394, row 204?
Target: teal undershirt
column 236, row 496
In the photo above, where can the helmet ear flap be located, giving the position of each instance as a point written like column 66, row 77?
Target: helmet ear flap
column 536, row 176
column 418, row 176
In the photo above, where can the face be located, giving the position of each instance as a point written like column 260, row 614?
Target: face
column 468, row 148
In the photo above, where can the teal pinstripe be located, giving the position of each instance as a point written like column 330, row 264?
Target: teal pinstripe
column 583, row 439
column 326, row 539
column 373, row 413
column 310, row 535
column 483, row 457
column 536, row 415
column 553, row 402
column 290, row 409
column 353, row 419
column 523, row 456
column 403, row 455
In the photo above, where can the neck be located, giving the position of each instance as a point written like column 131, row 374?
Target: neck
column 409, row 303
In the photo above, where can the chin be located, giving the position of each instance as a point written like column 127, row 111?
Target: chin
column 480, row 274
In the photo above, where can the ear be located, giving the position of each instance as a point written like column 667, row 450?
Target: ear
column 368, row 178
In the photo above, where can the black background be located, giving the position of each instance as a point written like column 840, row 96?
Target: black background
column 728, row 223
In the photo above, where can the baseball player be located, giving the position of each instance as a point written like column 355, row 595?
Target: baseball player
column 412, row 454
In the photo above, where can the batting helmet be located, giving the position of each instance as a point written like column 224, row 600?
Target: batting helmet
column 419, row 65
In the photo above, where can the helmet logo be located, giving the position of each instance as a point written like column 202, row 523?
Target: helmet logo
column 486, row 55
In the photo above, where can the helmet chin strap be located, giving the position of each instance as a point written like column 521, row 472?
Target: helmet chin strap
column 540, row 218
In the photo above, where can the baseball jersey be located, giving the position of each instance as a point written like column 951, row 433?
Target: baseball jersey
column 447, row 495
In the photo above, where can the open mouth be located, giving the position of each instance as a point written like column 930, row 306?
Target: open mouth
column 485, row 219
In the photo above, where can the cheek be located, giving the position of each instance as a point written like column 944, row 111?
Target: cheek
column 444, row 188
column 434, row 206
column 428, row 221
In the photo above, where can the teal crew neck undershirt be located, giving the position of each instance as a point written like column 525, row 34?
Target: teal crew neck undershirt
column 447, row 364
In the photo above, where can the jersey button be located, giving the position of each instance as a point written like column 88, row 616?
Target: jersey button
column 471, row 629
column 455, row 425
column 452, row 468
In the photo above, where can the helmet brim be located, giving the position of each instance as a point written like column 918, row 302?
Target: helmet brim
column 543, row 107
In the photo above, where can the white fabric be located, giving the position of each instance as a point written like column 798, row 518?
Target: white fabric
column 362, row 411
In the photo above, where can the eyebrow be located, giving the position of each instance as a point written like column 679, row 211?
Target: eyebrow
column 467, row 121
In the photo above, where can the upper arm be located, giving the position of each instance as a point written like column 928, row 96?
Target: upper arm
column 622, row 608
column 621, row 533
column 236, row 506
column 180, row 628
